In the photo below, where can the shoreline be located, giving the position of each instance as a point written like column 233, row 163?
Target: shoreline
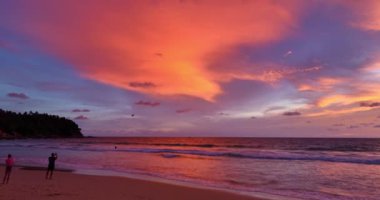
column 30, row 183
column 149, row 178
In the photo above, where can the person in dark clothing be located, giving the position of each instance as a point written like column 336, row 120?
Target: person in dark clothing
column 51, row 166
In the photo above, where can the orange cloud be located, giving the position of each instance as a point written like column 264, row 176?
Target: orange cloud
column 367, row 93
column 322, row 84
column 328, row 82
column 268, row 76
column 338, row 112
column 346, row 95
column 364, row 88
column 164, row 43
column 305, row 87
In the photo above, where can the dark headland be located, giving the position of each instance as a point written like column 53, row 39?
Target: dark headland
column 36, row 125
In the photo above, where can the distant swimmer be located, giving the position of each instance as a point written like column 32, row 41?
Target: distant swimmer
column 51, row 165
column 132, row 115
column 8, row 168
column 115, row 147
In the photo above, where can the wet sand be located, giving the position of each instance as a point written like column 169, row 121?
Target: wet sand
column 30, row 184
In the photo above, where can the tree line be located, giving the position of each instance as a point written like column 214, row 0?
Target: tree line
column 36, row 125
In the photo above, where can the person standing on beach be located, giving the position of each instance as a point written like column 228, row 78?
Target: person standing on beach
column 8, row 168
column 51, row 165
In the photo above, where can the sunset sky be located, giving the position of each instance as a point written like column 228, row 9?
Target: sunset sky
column 195, row 68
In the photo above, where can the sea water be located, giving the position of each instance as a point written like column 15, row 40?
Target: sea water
column 303, row 168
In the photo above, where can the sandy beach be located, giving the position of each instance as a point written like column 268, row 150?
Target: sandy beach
column 32, row 185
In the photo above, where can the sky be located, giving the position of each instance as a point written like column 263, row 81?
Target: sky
column 234, row 68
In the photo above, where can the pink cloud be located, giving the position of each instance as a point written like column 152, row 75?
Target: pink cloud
column 368, row 14
column 123, row 43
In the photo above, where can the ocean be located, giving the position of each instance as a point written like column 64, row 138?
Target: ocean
column 300, row 168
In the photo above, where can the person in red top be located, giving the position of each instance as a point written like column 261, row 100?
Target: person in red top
column 8, row 168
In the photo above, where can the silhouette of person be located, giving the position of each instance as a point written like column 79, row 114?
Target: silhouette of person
column 51, row 166
column 8, row 168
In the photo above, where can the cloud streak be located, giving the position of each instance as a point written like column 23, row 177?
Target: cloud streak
column 80, row 110
column 142, row 84
column 370, row 104
column 81, row 117
column 291, row 113
column 185, row 110
column 17, row 95
column 147, row 103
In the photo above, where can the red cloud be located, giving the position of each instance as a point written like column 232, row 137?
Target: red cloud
column 17, row 95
